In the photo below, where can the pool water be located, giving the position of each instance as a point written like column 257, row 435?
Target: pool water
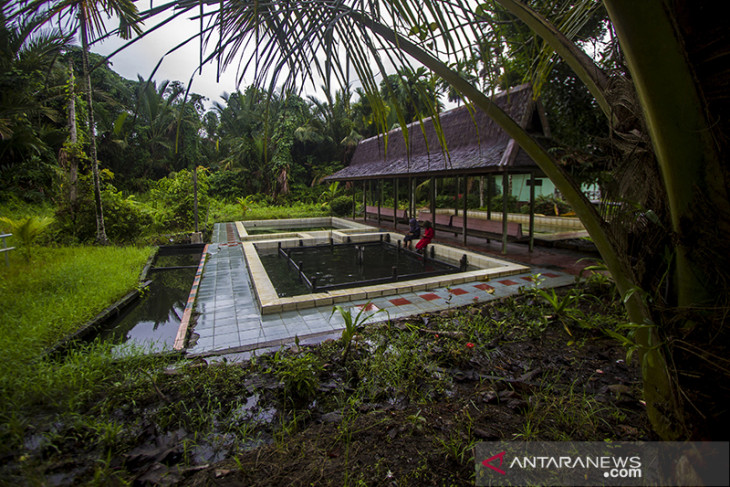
column 338, row 265
column 153, row 321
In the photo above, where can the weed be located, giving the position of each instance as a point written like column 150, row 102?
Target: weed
column 528, row 432
column 297, row 373
column 352, row 324
column 457, row 448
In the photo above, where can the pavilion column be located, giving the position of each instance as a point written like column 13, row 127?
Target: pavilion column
column 380, row 197
column 489, row 197
column 370, row 192
column 433, row 201
column 410, row 198
column 481, row 191
column 464, row 198
column 414, row 183
column 505, row 199
column 364, row 200
column 456, row 199
column 395, row 204
column 532, row 211
column 354, row 199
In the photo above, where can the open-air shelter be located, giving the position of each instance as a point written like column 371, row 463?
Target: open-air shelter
column 469, row 144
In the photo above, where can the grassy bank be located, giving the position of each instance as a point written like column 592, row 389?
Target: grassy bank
column 41, row 302
column 44, row 300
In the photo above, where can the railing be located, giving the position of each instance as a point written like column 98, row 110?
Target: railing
column 311, row 282
column 5, row 249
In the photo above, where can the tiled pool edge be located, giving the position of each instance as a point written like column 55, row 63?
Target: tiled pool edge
column 269, row 301
column 182, row 331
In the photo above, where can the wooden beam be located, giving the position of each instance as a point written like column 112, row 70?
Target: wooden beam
column 395, row 204
column 433, row 201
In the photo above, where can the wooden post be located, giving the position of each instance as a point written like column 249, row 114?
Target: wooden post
column 411, row 211
column 532, row 211
column 370, row 194
column 464, row 198
column 456, row 199
column 395, row 204
column 414, row 183
column 489, row 197
column 433, row 201
column 481, row 191
column 380, row 197
column 354, row 202
column 505, row 209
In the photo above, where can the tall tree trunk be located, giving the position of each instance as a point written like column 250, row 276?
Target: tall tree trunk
column 68, row 159
column 101, row 237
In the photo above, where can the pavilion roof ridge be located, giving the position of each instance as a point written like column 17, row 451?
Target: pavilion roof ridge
column 496, row 97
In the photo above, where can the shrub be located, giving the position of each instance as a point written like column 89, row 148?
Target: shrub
column 497, row 203
column 341, row 206
column 227, row 185
column 445, row 201
column 550, row 205
column 26, row 230
column 125, row 219
column 173, row 196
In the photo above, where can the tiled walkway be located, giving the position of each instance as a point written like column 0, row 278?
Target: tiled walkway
column 228, row 320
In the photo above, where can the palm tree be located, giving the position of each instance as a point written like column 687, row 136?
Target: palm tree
column 673, row 102
column 90, row 22
column 28, row 64
column 87, row 19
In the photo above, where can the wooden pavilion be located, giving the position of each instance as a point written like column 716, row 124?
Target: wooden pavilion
column 474, row 145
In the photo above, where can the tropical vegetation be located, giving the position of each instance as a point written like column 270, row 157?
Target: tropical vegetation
column 632, row 89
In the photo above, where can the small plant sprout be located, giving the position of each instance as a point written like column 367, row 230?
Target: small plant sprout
column 245, row 204
column 352, row 324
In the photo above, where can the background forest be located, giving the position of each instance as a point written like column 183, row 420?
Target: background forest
column 270, row 149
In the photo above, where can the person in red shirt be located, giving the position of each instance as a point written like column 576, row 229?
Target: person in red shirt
column 428, row 234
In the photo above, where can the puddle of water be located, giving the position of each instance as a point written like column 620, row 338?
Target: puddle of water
column 249, row 413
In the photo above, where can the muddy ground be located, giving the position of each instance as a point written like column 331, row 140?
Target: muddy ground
column 403, row 404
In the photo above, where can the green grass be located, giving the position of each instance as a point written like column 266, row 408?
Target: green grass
column 41, row 302
column 15, row 209
column 227, row 212
column 46, row 299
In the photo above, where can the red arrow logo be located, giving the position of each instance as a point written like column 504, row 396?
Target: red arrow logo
column 487, row 463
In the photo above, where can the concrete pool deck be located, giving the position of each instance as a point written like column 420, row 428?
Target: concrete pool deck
column 227, row 319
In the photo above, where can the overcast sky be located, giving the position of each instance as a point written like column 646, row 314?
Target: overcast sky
column 142, row 57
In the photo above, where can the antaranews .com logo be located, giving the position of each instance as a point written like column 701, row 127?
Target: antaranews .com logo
column 599, row 463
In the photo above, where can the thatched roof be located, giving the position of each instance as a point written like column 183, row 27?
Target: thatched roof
column 475, row 144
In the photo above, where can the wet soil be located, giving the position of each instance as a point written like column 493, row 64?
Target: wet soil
column 403, row 404
column 403, row 443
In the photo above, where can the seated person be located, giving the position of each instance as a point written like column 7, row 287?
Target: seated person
column 428, row 234
column 414, row 232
